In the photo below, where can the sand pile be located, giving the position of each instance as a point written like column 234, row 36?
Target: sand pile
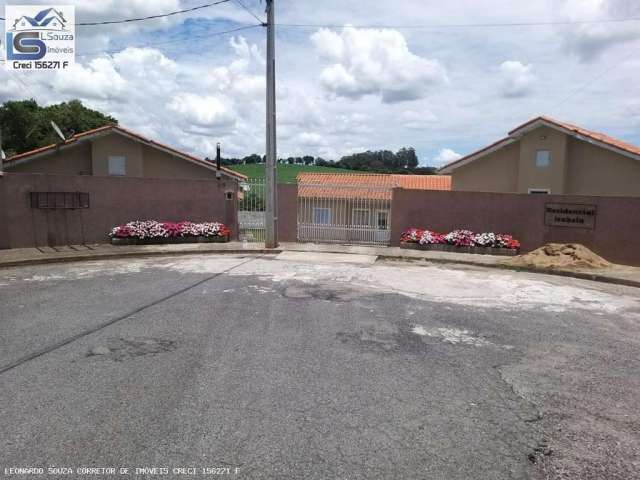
column 560, row 256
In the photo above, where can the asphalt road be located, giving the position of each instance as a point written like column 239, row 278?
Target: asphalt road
column 309, row 369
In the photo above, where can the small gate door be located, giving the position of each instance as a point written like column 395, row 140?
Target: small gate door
column 344, row 213
column 251, row 210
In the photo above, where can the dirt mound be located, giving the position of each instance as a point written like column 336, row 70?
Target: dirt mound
column 560, row 256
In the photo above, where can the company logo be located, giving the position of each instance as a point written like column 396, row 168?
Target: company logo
column 40, row 39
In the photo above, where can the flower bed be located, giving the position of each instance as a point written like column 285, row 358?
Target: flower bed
column 151, row 232
column 464, row 241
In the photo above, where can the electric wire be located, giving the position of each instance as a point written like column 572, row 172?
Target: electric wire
column 151, row 17
column 239, row 2
column 464, row 25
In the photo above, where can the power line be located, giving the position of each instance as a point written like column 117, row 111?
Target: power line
column 239, row 2
column 592, row 80
column 152, row 17
column 424, row 26
column 16, row 76
column 167, row 42
column 464, row 25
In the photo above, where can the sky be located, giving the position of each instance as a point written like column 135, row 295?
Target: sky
column 438, row 76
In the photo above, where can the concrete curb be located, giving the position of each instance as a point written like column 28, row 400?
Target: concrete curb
column 596, row 277
column 116, row 256
column 501, row 266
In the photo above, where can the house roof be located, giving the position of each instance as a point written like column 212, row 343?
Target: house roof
column 580, row 133
column 97, row 132
column 367, row 186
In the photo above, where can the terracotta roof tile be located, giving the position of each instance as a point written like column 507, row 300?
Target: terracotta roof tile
column 368, row 186
column 600, row 137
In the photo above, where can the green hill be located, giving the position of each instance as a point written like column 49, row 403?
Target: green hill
column 286, row 173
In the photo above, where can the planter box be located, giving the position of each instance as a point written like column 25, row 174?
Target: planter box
column 452, row 248
column 167, row 241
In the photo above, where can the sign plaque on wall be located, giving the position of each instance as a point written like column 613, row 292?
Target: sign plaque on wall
column 570, row 215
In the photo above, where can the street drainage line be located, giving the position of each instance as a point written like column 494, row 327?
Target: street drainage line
column 108, row 323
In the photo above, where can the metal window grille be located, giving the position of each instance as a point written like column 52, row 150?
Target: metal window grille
column 344, row 213
column 59, row 200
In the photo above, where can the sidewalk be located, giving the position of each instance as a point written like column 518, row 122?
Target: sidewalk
column 31, row 256
column 618, row 274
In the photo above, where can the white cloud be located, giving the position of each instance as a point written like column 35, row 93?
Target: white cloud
column 311, row 139
column 203, row 111
column 193, row 97
column 517, row 78
column 589, row 41
column 173, row 102
column 444, row 156
column 375, row 62
column 417, row 120
column 245, row 74
column 98, row 80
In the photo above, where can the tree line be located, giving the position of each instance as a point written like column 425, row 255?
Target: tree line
column 26, row 126
column 404, row 160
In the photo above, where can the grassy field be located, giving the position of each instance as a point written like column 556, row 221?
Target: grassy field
column 286, row 173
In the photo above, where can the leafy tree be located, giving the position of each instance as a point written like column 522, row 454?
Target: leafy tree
column 407, row 158
column 404, row 160
column 26, row 125
column 253, row 158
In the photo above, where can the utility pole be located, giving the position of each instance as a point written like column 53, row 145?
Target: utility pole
column 271, row 214
column 2, row 157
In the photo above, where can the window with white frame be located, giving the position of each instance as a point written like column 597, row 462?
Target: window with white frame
column 382, row 217
column 117, row 165
column 322, row 216
column 543, row 158
column 360, row 217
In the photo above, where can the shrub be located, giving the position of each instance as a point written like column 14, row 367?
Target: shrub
column 152, row 229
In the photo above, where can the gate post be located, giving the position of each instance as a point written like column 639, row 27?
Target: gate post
column 288, row 212
column 395, row 221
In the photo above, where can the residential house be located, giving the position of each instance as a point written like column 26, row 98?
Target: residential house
column 548, row 156
column 353, row 208
column 115, row 151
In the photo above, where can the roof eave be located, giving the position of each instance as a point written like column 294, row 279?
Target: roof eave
column 449, row 168
column 177, row 153
column 102, row 131
column 517, row 133
column 542, row 121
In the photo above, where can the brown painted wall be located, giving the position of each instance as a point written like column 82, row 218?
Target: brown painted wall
column 158, row 164
column 90, row 157
column 114, row 200
column 117, row 145
column 287, row 212
column 497, row 172
column 598, row 171
column 75, row 160
column 616, row 236
column 551, row 177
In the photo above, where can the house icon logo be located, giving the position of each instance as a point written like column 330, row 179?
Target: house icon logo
column 47, row 19
column 38, row 38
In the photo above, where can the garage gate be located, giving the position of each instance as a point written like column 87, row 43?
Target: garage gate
column 344, row 212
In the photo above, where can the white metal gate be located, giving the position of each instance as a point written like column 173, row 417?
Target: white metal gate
column 251, row 210
column 344, row 213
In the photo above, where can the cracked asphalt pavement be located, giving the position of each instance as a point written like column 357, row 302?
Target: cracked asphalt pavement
column 296, row 368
